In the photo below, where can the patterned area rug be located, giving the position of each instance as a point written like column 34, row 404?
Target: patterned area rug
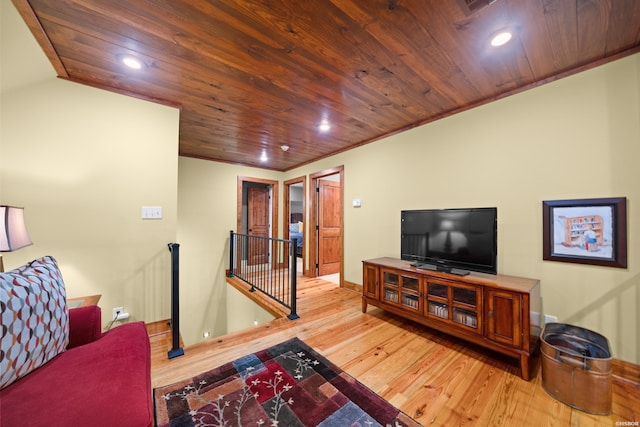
column 286, row 385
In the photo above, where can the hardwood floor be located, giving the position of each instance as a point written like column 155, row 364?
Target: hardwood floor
column 436, row 379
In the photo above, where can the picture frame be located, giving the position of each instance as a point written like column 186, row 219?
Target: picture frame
column 585, row 231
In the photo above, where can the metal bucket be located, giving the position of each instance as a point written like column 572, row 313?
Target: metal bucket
column 576, row 367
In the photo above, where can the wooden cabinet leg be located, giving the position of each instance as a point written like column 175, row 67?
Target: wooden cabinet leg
column 524, row 367
column 364, row 305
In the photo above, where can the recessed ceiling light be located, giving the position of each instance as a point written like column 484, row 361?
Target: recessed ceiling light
column 132, row 62
column 284, row 147
column 501, row 38
column 324, row 126
column 264, row 157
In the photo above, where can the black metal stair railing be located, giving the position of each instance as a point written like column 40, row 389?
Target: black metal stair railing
column 176, row 350
column 268, row 265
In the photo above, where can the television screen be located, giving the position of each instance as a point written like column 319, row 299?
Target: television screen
column 446, row 239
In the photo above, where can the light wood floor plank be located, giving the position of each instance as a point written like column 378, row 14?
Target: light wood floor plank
column 434, row 378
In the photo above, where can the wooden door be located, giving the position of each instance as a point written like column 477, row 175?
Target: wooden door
column 258, row 225
column 504, row 317
column 329, row 227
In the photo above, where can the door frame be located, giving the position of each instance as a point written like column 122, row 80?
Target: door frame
column 273, row 202
column 313, row 220
column 287, row 213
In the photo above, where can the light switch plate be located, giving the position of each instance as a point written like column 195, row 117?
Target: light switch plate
column 151, row 212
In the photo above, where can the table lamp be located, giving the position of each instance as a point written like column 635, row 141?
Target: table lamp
column 13, row 232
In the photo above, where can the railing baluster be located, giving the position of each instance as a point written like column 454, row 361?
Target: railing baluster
column 231, row 246
column 281, row 265
column 292, row 289
column 281, row 261
column 252, row 268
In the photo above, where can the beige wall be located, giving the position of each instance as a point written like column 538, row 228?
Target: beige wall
column 83, row 162
column 242, row 312
column 207, row 207
column 575, row 138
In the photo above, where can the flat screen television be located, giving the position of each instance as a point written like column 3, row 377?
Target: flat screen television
column 452, row 240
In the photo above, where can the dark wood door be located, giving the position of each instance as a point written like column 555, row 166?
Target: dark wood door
column 329, row 227
column 504, row 317
column 258, row 225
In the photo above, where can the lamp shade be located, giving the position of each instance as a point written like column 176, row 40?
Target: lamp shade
column 13, row 232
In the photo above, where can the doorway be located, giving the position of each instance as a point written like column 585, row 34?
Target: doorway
column 327, row 219
column 295, row 223
column 257, row 215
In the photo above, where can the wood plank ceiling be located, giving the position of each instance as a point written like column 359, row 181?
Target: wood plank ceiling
column 251, row 76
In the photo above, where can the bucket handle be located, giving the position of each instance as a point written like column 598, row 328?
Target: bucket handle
column 578, row 363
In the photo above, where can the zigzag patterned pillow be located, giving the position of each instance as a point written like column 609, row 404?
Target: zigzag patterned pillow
column 35, row 318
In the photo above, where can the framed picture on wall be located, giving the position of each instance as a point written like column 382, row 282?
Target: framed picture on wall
column 585, row 231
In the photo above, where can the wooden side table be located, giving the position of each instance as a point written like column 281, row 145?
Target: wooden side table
column 83, row 301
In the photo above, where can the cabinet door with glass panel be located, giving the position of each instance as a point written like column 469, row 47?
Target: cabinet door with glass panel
column 456, row 303
column 467, row 306
column 402, row 289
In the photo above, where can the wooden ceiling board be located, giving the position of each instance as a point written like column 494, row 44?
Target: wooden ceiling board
column 428, row 67
column 250, row 76
column 623, row 30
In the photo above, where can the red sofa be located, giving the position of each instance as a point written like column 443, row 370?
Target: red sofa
column 100, row 380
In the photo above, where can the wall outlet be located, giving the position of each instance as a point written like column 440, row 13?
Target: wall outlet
column 117, row 311
column 119, row 314
column 535, row 318
column 550, row 319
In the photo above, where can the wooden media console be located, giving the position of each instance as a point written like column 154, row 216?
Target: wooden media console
column 498, row 312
